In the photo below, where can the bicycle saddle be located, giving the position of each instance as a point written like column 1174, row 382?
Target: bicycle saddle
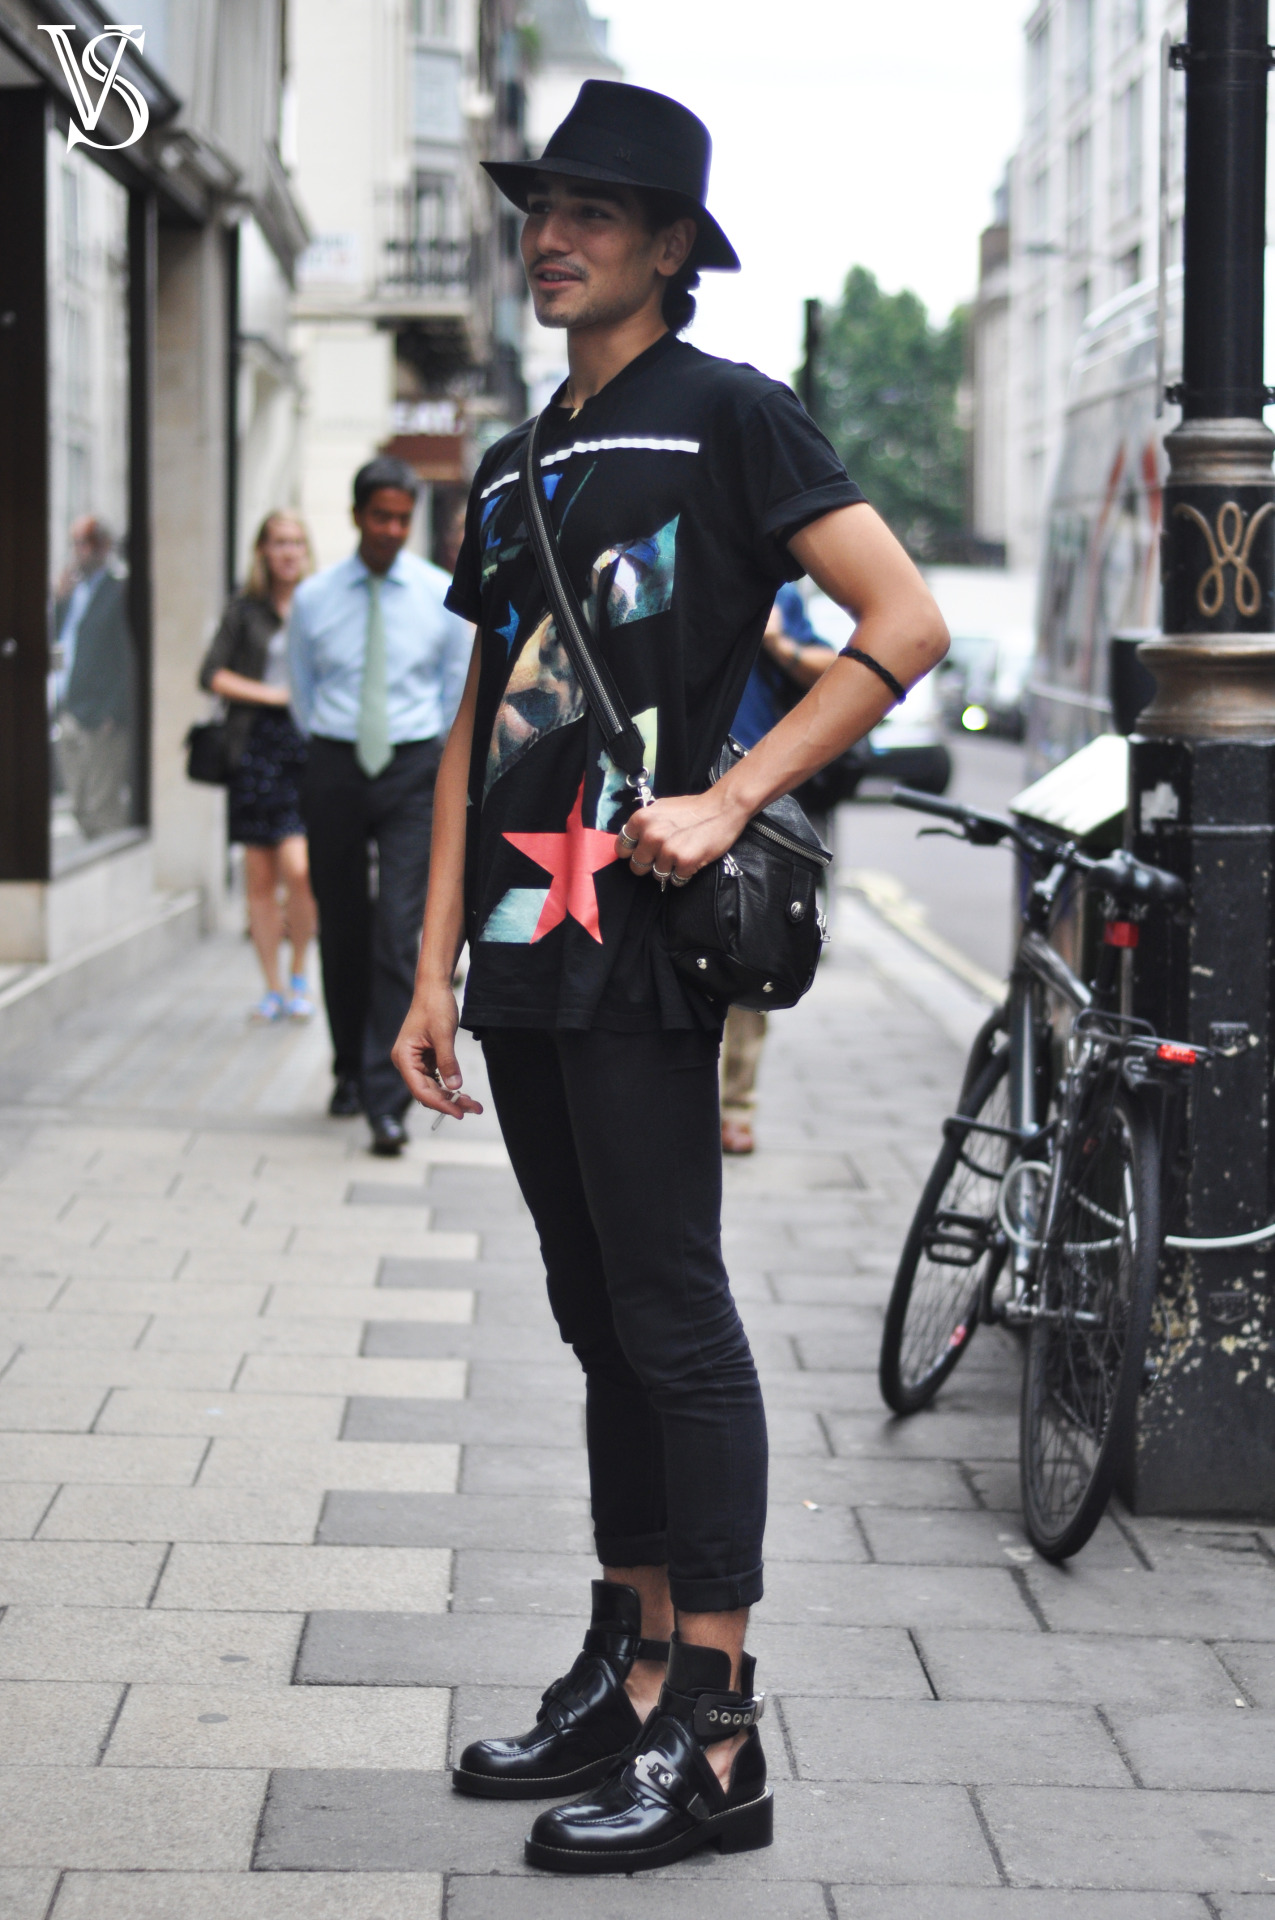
column 1134, row 882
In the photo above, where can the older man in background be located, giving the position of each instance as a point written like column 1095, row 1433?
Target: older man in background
column 377, row 666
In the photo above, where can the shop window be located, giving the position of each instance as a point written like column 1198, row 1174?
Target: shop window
column 94, row 688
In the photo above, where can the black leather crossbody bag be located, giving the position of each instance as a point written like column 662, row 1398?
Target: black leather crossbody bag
column 747, row 929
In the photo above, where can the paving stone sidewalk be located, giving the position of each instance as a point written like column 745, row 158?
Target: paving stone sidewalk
column 292, row 1500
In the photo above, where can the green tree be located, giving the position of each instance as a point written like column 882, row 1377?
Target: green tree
column 886, row 395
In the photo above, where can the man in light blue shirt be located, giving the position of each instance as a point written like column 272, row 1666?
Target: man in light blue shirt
column 376, row 666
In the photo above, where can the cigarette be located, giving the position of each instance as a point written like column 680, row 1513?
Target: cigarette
column 447, row 1094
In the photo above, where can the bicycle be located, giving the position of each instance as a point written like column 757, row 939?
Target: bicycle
column 1043, row 1211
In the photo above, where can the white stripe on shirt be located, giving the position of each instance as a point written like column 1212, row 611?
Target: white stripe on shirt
column 625, row 443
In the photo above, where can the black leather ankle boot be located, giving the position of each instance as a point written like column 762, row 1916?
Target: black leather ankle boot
column 586, row 1723
column 666, row 1801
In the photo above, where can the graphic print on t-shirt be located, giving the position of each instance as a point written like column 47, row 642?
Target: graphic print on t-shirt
column 524, row 915
column 673, row 498
column 542, row 693
column 641, row 574
column 572, row 857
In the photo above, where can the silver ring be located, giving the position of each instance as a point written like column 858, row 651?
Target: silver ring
column 681, row 879
column 627, row 841
column 662, row 876
column 640, row 871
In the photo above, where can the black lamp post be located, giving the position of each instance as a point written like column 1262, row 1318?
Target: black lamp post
column 810, row 365
column 1202, row 801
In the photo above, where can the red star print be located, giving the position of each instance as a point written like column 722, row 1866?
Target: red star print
column 572, row 858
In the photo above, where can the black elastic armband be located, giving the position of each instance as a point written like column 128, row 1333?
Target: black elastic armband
column 882, row 673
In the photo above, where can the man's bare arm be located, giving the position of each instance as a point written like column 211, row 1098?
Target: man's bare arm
column 858, row 563
column 426, row 1046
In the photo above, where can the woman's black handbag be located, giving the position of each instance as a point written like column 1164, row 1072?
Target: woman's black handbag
column 207, row 759
column 747, row 929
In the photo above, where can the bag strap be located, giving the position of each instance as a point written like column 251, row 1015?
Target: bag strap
column 620, row 736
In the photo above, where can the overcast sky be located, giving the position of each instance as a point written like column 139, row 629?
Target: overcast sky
column 844, row 131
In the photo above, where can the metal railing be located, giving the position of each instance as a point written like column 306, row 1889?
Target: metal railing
column 425, row 266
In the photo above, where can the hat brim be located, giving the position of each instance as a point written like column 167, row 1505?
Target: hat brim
column 514, row 178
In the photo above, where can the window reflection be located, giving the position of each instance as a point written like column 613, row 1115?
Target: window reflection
column 93, row 694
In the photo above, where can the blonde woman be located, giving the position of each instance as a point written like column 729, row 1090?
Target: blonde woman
column 247, row 666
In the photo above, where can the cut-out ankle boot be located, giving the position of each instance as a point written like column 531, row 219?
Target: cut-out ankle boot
column 586, row 1723
column 666, row 1801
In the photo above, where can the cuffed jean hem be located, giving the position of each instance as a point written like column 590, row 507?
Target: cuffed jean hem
column 716, row 1596
column 632, row 1550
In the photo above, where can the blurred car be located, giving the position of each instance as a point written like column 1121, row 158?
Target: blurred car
column 906, row 747
column 990, row 616
column 993, row 695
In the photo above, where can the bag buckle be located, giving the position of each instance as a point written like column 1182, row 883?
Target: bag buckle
column 641, row 785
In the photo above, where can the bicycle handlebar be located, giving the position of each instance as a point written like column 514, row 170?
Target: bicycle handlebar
column 1129, row 879
column 980, row 829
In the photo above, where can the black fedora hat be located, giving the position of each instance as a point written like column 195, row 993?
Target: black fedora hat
column 629, row 137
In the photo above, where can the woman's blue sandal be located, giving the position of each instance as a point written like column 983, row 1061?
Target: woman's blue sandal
column 299, row 1004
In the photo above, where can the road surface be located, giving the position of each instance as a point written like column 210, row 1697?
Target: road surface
column 965, row 891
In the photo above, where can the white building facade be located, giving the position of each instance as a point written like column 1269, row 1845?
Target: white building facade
column 570, row 47
column 402, row 326
column 1085, row 212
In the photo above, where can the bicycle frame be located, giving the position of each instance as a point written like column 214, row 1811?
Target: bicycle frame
column 1039, row 972
column 1038, row 969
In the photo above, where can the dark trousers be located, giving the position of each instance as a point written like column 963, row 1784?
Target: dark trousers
column 369, row 937
column 615, row 1139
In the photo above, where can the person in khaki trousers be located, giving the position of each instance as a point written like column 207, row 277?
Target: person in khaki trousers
column 792, row 658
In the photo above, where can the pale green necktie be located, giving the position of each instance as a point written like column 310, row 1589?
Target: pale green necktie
column 372, row 747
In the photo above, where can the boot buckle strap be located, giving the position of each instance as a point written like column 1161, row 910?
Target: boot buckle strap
column 618, row 1644
column 654, row 1772
column 560, row 1704
column 719, row 1715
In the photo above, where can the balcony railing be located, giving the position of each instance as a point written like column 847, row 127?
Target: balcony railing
column 425, row 267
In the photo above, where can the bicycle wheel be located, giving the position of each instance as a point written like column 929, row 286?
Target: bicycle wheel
column 1095, row 1286
column 953, row 1245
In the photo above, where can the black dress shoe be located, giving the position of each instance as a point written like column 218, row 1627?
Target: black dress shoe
column 666, row 1801
column 346, row 1098
column 389, row 1135
column 586, row 1724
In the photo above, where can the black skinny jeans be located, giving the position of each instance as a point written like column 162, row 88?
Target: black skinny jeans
column 615, row 1140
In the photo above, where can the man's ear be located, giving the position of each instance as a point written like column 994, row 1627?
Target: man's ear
column 679, row 238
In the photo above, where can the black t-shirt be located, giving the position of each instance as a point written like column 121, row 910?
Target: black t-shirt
column 673, row 492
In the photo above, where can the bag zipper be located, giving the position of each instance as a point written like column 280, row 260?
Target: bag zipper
column 815, row 855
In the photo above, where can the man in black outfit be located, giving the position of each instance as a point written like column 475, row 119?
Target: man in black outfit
column 376, row 665
column 683, row 491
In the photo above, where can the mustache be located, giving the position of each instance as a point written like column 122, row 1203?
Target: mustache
column 559, row 266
